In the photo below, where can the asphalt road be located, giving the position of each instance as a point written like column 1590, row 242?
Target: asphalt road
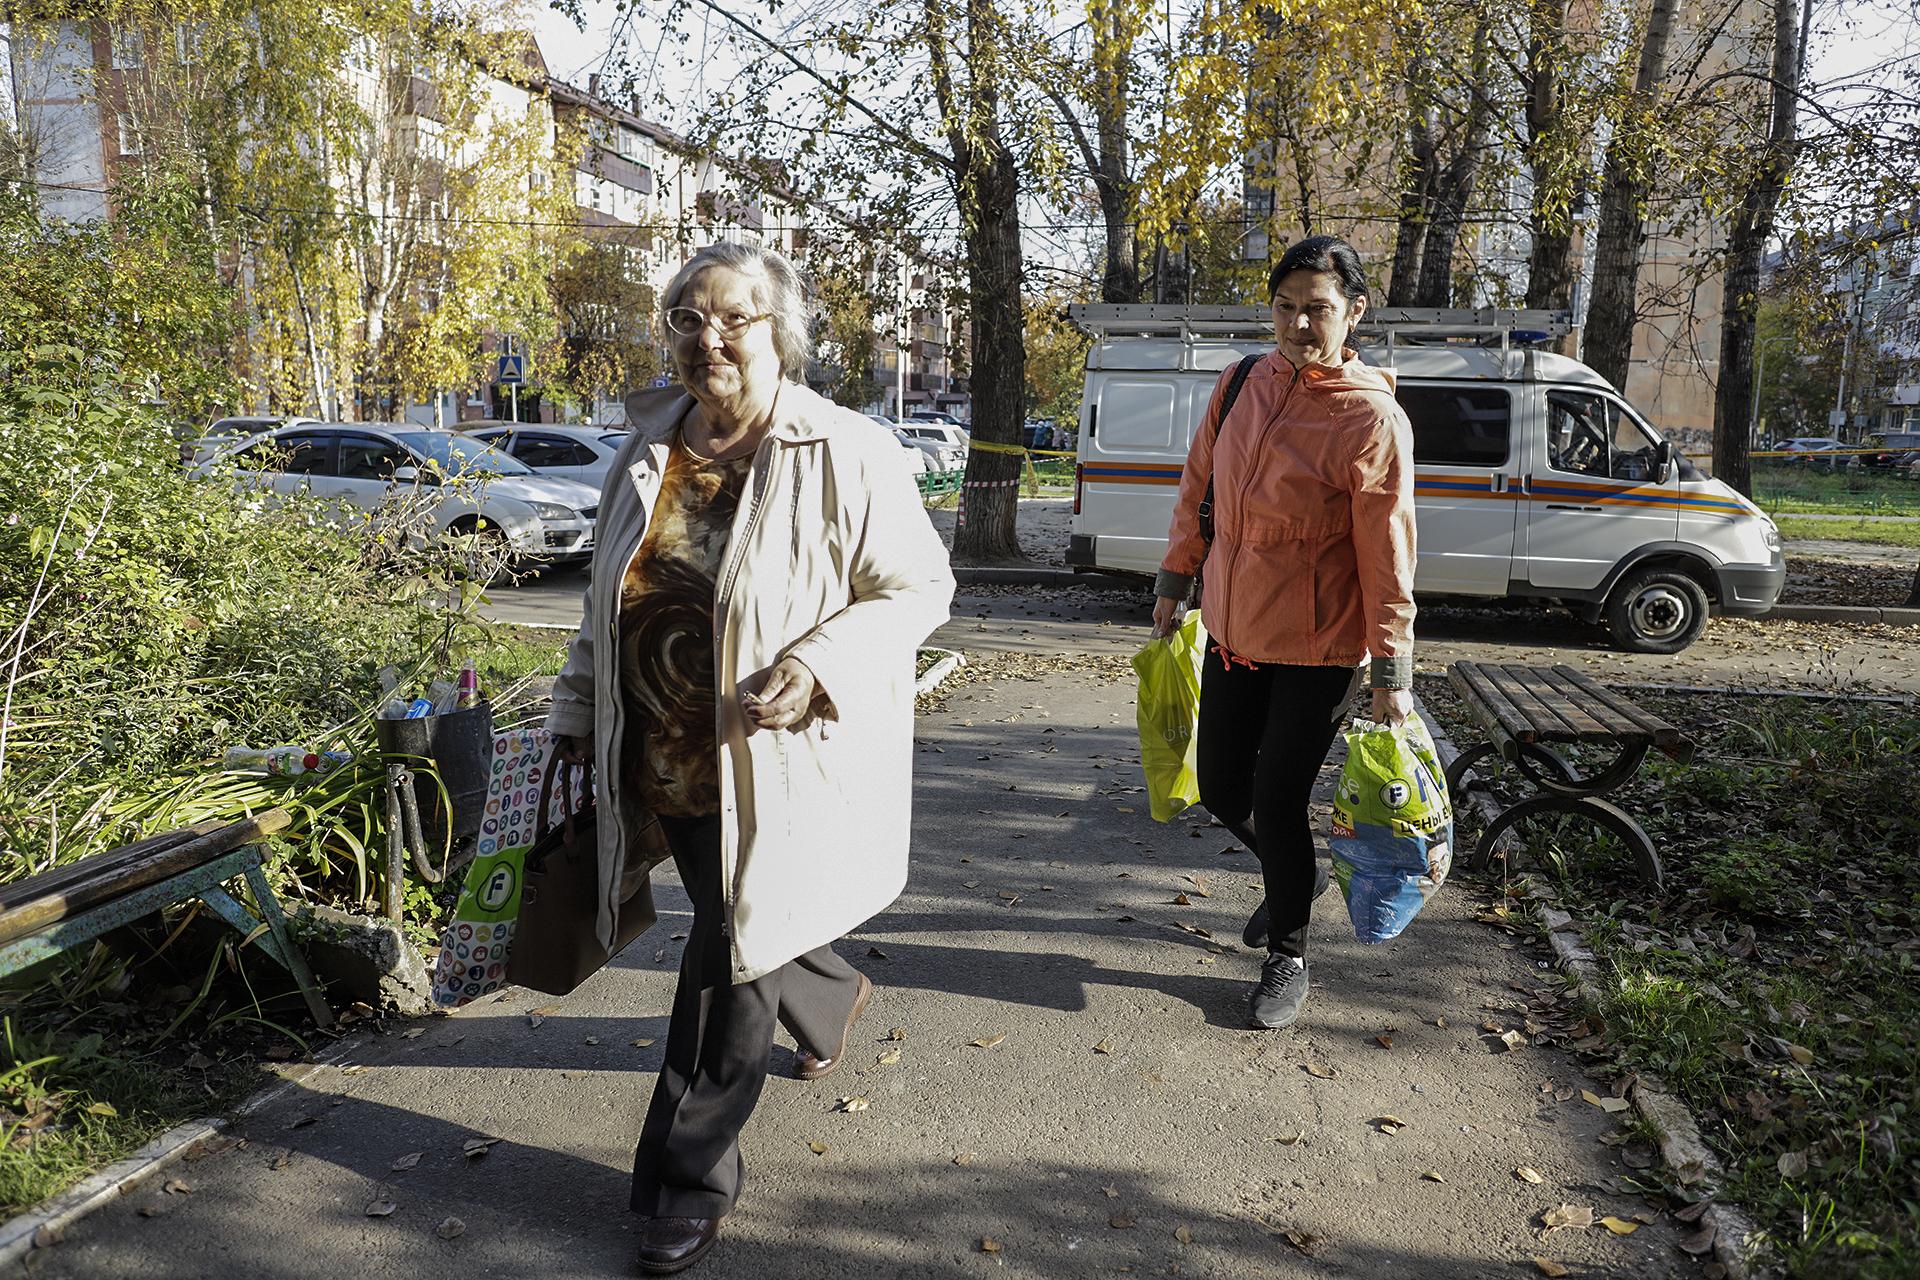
column 1126, row 1124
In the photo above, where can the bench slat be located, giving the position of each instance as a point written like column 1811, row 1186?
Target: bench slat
column 1548, row 727
column 1609, row 722
column 61, row 879
column 1670, row 740
column 34, row 914
column 1490, row 707
column 1581, row 715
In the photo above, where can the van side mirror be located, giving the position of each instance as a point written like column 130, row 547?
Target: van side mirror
column 1662, row 461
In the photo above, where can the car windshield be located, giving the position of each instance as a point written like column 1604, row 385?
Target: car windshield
column 456, row 455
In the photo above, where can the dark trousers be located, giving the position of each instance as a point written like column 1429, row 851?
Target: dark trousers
column 1263, row 735
column 688, row 1163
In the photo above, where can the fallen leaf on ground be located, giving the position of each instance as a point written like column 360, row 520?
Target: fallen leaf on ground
column 1512, row 1040
column 413, row 1033
column 175, row 1187
column 1305, row 1241
column 964, row 1159
column 1112, row 1193
column 406, row 1162
column 987, row 1042
column 301, row 1122
column 450, row 1229
column 897, row 1033
column 1199, row 884
column 1701, row 1241
column 1568, row 1215
column 989, row 1245
column 643, row 1042
column 1318, row 1070
column 1548, row 1267
column 281, row 1161
column 101, row 1109
column 876, row 953
column 1289, row 1138
column 1692, row 1212
column 1527, row 1173
column 1800, row 1054
column 1385, row 1042
column 1431, row 1176
column 818, row 1148
column 46, row 1235
column 1388, row 1124
column 1121, row 1221
column 1619, row 1226
column 380, row 1208
column 1792, row 1164
column 1611, row 1106
column 591, row 1040
column 853, row 1104
column 1105, row 1046
column 1440, row 1022
column 155, row 1209
column 1183, row 1233
column 887, row 1059
column 1182, row 900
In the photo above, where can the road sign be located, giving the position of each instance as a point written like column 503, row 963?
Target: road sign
column 662, row 381
column 511, row 370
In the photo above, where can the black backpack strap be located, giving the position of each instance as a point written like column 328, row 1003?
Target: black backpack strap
column 1240, row 373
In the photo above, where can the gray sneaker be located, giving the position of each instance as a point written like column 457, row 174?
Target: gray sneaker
column 1283, row 989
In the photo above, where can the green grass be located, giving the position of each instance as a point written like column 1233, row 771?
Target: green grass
column 1883, row 533
column 1775, row 983
column 1788, row 489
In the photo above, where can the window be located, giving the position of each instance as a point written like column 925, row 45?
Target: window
column 298, row 454
column 1459, row 426
column 1590, row 435
column 370, row 458
column 129, row 135
column 550, row 451
column 129, row 50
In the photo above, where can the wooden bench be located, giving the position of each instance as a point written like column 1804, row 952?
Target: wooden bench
column 1525, row 711
column 55, row 911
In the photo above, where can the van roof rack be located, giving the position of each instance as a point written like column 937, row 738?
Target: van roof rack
column 1417, row 324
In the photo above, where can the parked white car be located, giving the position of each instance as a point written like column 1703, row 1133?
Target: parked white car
column 460, row 486
column 944, row 435
column 583, row 454
column 222, row 433
column 940, row 455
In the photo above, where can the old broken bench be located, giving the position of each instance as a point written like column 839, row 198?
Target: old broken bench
column 1527, row 712
column 55, row 911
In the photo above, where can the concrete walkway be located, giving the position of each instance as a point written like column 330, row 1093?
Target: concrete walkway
column 1115, row 1118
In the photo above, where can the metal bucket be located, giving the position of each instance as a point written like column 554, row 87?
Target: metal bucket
column 460, row 746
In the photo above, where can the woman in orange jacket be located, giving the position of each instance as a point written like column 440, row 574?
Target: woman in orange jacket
column 1309, row 571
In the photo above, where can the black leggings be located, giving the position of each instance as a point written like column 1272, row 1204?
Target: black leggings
column 1263, row 735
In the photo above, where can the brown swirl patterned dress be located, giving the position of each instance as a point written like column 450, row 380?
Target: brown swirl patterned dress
column 666, row 636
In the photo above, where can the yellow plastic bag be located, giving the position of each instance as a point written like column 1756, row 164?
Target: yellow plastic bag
column 1167, row 709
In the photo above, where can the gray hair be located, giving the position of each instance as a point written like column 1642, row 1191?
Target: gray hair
column 778, row 287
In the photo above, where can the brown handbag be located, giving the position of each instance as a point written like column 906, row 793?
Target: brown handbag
column 556, row 945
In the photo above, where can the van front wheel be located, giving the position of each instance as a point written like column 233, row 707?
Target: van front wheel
column 1656, row 611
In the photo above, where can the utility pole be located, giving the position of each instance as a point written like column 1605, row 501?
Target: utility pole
column 900, row 341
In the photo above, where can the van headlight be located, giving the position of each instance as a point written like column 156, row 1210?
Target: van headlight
column 1770, row 534
column 553, row 511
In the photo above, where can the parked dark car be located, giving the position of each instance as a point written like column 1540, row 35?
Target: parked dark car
column 1894, row 450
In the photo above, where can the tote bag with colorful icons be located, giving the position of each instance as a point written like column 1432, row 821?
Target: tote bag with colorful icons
column 476, row 941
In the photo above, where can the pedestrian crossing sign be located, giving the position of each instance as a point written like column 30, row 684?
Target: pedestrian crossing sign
column 511, row 370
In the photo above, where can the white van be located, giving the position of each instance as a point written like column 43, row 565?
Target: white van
column 1534, row 477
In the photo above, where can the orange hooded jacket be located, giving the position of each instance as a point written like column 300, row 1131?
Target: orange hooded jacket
column 1313, row 552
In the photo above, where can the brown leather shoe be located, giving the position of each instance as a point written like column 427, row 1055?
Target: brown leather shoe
column 668, row 1245
column 808, row 1067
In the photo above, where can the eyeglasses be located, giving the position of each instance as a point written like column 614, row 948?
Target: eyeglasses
column 690, row 322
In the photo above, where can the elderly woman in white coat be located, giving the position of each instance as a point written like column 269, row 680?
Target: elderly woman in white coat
column 744, row 671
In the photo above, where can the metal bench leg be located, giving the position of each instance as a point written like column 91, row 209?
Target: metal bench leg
column 1463, row 763
column 296, row 963
column 276, row 941
column 1601, row 813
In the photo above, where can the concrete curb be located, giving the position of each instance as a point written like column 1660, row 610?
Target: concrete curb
column 1889, row 617
column 43, row 1225
column 1682, row 1148
column 937, row 674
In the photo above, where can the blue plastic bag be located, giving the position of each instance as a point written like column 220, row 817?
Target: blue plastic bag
column 1392, row 839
